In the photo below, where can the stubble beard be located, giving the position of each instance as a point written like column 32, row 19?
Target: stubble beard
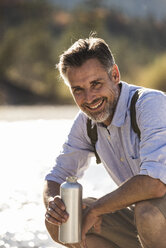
column 106, row 113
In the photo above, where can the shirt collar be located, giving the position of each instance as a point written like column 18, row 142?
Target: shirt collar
column 121, row 108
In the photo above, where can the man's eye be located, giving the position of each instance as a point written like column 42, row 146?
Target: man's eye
column 96, row 84
column 77, row 90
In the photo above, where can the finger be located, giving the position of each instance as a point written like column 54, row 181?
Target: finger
column 58, row 201
column 56, row 215
column 84, row 244
column 58, row 207
column 83, row 240
column 97, row 228
column 51, row 220
column 98, row 220
column 97, row 225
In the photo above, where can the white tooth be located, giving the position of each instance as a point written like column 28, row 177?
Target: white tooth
column 96, row 105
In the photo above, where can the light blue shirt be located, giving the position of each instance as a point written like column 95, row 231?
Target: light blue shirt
column 120, row 150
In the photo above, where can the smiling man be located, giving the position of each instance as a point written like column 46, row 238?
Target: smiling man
column 134, row 214
column 93, row 90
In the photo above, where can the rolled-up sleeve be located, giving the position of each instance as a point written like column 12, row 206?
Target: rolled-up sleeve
column 76, row 153
column 151, row 120
column 155, row 170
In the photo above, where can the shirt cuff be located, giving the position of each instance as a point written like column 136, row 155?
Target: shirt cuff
column 54, row 178
column 154, row 170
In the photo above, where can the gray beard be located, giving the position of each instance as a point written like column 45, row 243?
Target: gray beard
column 102, row 116
column 108, row 111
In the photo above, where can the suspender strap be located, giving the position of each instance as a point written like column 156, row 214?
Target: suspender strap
column 92, row 133
column 133, row 112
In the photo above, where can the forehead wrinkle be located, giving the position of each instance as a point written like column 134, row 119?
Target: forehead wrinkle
column 83, row 79
column 86, row 73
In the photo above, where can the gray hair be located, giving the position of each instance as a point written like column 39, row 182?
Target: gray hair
column 85, row 49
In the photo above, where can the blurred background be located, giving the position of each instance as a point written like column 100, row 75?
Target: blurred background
column 33, row 33
column 36, row 109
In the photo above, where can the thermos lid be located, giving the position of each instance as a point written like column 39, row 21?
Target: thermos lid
column 72, row 179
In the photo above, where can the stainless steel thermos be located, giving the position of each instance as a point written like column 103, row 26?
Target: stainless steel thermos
column 71, row 195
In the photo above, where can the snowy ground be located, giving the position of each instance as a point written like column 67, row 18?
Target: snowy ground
column 30, row 139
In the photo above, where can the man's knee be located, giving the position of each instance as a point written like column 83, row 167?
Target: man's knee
column 147, row 216
column 151, row 224
column 53, row 231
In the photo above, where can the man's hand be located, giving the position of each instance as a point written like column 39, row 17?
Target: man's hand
column 90, row 220
column 56, row 212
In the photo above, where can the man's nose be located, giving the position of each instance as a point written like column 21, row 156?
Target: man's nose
column 89, row 96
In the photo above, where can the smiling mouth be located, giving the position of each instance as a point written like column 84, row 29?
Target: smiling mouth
column 95, row 106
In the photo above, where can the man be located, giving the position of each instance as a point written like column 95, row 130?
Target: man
column 134, row 214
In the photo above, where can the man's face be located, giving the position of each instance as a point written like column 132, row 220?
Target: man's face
column 95, row 92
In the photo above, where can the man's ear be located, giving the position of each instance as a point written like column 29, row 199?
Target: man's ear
column 115, row 74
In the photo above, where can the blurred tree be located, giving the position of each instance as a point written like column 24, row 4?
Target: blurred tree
column 28, row 51
column 34, row 33
column 154, row 74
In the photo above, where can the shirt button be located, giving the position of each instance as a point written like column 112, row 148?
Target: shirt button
column 122, row 159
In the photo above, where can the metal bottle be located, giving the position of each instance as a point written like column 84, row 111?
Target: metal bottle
column 71, row 194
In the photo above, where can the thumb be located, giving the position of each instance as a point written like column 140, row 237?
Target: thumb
column 97, row 225
column 84, row 244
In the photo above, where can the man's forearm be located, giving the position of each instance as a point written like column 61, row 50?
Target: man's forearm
column 51, row 189
column 136, row 189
